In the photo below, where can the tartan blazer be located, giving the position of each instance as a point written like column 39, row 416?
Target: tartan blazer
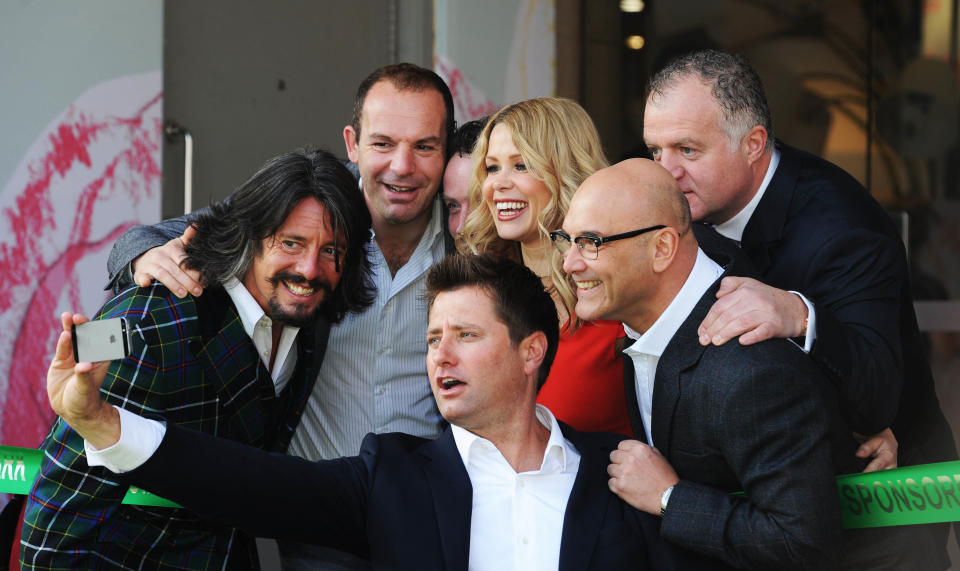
column 191, row 364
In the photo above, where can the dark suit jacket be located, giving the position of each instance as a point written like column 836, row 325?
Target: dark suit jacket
column 758, row 418
column 405, row 502
column 192, row 364
column 817, row 231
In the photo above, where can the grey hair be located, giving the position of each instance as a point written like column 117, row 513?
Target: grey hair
column 735, row 87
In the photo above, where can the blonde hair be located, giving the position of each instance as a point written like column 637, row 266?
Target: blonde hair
column 560, row 146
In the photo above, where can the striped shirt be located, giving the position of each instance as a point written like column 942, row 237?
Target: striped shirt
column 374, row 375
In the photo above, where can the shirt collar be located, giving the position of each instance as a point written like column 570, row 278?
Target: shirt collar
column 734, row 227
column 654, row 340
column 434, row 229
column 557, row 455
column 249, row 310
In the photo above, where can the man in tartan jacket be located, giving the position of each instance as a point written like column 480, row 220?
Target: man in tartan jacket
column 238, row 362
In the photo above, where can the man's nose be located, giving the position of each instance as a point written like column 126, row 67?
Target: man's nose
column 309, row 266
column 402, row 162
column 441, row 351
column 670, row 161
column 572, row 260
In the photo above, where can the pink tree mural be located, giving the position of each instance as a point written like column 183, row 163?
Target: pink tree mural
column 93, row 173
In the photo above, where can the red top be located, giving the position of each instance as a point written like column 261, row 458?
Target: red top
column 585, row 385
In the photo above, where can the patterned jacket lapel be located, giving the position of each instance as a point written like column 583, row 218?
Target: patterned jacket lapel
column 243, row 384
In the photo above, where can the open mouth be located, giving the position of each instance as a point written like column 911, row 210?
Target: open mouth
column 450, row 383
column 510, row 208
column 399, row 189
column 299, row 290
column 588, row 284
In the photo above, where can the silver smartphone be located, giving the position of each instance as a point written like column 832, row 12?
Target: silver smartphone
column 102, row 340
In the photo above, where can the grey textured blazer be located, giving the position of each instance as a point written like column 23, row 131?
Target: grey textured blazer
column 762, row 419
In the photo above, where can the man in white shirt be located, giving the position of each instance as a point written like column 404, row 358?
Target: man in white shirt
column 372, row 375
column 239, row 362
column 759, row 419
column 505, row 487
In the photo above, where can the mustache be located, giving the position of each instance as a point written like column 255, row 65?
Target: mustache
column 298, row 279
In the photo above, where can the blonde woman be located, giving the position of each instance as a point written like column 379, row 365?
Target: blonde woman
column 527, row 163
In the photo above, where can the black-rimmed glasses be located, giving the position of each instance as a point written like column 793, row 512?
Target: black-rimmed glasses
column 589, row 246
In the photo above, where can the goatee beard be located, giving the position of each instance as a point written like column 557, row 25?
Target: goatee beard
column 301, row 315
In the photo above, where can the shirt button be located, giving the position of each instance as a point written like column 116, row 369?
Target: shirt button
column 524, row 540
column 522, row 484
column 380, row 391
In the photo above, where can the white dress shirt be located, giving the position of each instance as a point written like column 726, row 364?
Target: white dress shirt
column 374, row 374
column 259, row 328
column 734, row 228
column 649, row 346
column 517, row 519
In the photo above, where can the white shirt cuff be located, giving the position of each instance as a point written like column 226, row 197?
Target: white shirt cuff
column 811, row 334
column 139, row 439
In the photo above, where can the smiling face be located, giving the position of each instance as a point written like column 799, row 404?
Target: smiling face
column 296, row 268
column 683, row 130
column 479, row 377
column 513, row 195
column 619, row 283
column 456, row 183
column 400, row 153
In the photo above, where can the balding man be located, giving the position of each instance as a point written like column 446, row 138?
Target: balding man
column 713, row 412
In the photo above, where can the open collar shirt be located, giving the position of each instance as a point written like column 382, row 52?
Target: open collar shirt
column 517, row 519
column 734, row 227
column 259, row 328
column 649, row 346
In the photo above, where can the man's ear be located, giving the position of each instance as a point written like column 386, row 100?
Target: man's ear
column 754, row 143
column 665, row 246
column 533, row 348
column 350, row 140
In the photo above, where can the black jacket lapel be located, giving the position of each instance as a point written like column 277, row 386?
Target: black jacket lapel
column 630, row 393
column 766, row 226
column 586, row 506
column 452, row 498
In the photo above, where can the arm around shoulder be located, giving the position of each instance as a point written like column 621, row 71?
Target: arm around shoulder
column 135, row 242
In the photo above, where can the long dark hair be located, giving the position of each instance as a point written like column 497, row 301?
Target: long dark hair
column 232, row 231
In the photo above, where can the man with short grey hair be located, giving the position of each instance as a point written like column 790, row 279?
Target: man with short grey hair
column 832, row 269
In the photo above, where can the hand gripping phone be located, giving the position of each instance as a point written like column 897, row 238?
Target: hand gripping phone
column 102, row 340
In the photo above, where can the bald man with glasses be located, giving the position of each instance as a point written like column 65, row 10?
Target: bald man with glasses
column 718, row 422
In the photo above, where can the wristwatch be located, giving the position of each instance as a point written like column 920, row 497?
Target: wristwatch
column 664, row 499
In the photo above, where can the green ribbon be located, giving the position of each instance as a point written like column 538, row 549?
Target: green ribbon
column 19, row 468
column 929, row 493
